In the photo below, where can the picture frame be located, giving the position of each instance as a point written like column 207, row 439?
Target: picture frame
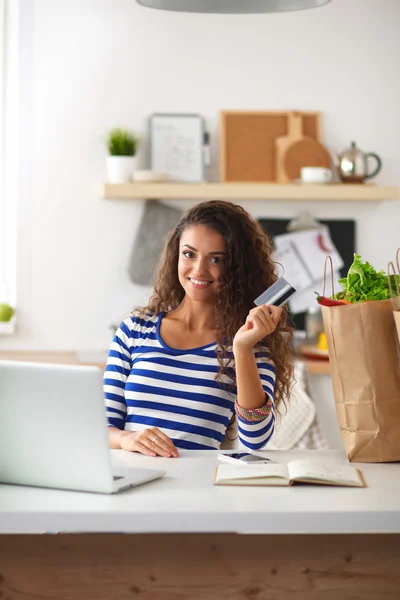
column 176, row 146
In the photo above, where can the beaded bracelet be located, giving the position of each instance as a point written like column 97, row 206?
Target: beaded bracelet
column 254, row 414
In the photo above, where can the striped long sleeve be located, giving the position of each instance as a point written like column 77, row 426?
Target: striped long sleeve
column 147, row 383
column 256, row 426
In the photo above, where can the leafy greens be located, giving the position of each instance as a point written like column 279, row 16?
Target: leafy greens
column 364, row 283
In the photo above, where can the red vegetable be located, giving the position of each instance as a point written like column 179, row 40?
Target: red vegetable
column 321, row 244
column 324, row 301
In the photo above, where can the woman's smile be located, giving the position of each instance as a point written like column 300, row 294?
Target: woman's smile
column 199, row 283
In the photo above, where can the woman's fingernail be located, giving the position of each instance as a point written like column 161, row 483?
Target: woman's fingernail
column 167, row 455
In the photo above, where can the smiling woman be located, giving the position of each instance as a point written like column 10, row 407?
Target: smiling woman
column 200, row 257
column 180, row 369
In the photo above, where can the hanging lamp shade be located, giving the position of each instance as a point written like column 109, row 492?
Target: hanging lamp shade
column 232, row 6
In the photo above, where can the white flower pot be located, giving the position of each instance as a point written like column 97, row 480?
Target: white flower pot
column 7, row 327
column 120, row 168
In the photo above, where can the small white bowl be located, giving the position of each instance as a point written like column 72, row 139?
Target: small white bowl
column 148, row 176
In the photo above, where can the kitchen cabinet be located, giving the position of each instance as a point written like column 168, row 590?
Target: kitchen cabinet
column 67, row 357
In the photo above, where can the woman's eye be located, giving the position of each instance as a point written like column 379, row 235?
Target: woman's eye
column 216, row 260
column 188, row 254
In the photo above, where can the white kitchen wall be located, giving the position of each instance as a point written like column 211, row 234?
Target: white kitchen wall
column 93, row 64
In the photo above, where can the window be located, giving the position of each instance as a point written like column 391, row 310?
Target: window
column 3, row 249
column 9, row 15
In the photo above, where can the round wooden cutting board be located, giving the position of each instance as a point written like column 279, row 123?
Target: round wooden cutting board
column 304, row 152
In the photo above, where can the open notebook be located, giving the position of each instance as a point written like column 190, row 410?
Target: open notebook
column 296, row 471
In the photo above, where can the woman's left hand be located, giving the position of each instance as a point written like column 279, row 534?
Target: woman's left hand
column 260, row 322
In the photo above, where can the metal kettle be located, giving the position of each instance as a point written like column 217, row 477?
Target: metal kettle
column 352, row 165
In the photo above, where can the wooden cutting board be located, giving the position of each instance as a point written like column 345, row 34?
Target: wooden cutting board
column 284, row 144
column 296, row 150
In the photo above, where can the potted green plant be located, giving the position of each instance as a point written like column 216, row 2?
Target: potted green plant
column 122, row 145
column 7, row 319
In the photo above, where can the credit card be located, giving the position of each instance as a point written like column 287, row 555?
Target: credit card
column 278, row 294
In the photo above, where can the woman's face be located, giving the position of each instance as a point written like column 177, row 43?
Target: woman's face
column 201, row 253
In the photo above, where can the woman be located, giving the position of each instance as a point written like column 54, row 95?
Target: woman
column 179, row 369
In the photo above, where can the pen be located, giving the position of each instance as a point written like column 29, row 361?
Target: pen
column 206, row 148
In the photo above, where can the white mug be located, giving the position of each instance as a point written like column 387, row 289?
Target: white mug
column 315, row 175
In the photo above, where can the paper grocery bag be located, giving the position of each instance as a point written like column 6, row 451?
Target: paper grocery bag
column 395, row 299
column 396, row 315
column 363, row 352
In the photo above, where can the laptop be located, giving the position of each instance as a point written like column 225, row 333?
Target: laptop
column 53, row 430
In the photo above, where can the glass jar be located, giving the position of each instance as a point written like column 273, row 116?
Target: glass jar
column 313, row 323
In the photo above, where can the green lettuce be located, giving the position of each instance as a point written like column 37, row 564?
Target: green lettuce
column 364, row 283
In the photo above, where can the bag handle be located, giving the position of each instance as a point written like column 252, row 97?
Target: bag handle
column 329, row 258
column 397, row 260
column 391, row 266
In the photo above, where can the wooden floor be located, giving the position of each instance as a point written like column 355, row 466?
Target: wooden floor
column 199, row 566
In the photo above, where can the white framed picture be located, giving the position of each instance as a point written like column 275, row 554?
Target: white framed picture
column 176, row 143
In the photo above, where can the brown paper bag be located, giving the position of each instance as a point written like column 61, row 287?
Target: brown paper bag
column 363, row 352
column 396, row 305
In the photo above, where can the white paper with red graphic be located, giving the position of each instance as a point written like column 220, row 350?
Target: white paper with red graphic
column 302, row 256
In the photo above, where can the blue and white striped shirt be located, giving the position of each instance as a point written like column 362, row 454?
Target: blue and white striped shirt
column 147, row 383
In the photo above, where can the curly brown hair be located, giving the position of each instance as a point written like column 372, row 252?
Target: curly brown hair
column 247, row 271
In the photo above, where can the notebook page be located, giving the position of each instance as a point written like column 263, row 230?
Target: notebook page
column 227, row 472
column 341, row 474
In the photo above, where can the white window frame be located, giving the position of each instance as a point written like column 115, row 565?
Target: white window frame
column 3, row 245
column 9, row 141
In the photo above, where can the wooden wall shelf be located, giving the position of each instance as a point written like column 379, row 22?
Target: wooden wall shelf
column 252, row 191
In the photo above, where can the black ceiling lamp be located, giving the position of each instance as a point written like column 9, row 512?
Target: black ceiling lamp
column 232, row 6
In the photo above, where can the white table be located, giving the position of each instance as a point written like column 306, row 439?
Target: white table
column 185, row 500
column 180, row 507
